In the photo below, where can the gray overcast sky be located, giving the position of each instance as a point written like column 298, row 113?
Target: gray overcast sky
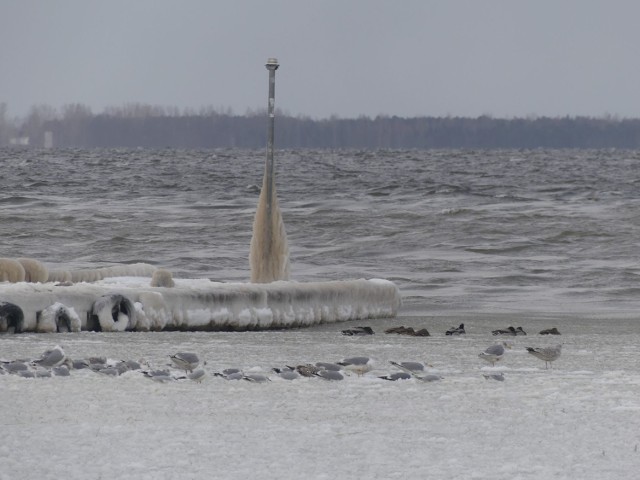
column 505, row 58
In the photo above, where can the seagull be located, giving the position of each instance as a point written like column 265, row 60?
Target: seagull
column 287, row 373
column 121, row 367
column 79, row 364
column 61, row 371
column 329, row 375
column 396, row 376
column 329, row 366
column 197, row 375
column 110, row 371
column 359, row 365
column 132, row 364
column 185, row 360
column 409, row 367
column 307, row 370
column 97, row 360
column 546, row 354
column 230, row 374
column 51, row 358
column 256, row 377
column 428, row 378
column 42, row 373
column 413, row 369
column 456, row 330
column 158, row 375
column 15, row 366
column 494, row 353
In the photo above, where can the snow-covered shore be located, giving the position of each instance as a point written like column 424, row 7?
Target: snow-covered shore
column 578, row 420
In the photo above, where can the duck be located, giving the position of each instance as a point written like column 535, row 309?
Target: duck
column 456, row 330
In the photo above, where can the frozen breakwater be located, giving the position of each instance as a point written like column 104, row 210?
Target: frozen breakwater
column 130, row 304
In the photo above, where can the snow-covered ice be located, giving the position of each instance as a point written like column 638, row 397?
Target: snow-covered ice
column 580, row 419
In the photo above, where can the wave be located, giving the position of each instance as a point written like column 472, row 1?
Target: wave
column 501, row 250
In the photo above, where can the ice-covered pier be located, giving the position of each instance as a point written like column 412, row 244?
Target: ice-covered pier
column 130, row 304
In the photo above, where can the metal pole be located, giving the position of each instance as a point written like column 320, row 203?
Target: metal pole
column 272, row 65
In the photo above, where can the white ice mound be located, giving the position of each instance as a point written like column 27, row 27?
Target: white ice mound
column 58, row 318
column 129, row 303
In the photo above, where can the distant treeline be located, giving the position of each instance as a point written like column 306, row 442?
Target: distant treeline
column 138, row 125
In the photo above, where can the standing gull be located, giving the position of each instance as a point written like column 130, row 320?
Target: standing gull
column 494, row 353
column 185, row 361
column 546, row 354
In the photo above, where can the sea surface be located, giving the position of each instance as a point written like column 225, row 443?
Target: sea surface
column 461, row 232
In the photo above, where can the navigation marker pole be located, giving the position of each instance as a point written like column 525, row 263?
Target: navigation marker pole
column 272, row 65
column 269, row 255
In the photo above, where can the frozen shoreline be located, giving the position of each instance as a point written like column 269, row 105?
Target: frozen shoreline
column 578, row 420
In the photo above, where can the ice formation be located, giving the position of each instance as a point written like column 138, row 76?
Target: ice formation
column 130, row 303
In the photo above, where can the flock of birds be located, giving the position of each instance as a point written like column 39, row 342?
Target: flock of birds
column 492, row 354
column 453, row 331
column 187, row 365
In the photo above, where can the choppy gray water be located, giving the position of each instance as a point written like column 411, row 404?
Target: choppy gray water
column 468, row 232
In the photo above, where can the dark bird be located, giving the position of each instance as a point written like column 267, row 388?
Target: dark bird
column 550, row 331
column 456, row 330
column 357, row 331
